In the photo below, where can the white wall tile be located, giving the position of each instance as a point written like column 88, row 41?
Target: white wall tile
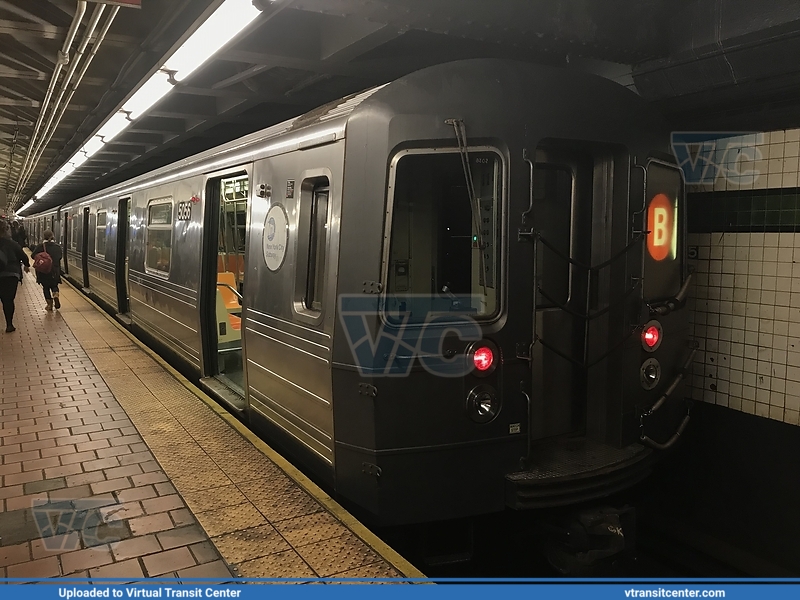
column 776, row 137
column 775, row 180
column 745, row 300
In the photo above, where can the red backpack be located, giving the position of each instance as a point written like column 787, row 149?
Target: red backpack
column 43, row 263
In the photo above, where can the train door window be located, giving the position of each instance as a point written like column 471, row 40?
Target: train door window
column 312, row 245
column 158, row 237
column 445, row 234
column 72, row 242
column 316, row 249
column 100, row 234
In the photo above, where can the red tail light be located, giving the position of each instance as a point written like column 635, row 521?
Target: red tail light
column 651, row 336
column 483, row 358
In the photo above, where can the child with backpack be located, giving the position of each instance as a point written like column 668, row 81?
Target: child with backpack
column 46, row 262
column 11, row 259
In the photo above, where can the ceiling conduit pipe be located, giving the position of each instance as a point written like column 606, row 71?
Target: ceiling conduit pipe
column 722, row 44
column 11, row 156
column 44, row 138
column 63, row 58
column 100, row 37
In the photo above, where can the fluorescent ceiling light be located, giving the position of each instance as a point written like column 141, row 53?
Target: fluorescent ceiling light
column 26, row 206
column 113, row 127
column 146, row 96
column 92, row 146
column 219, row 29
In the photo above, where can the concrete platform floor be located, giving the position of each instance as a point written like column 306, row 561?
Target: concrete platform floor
column 113, row 465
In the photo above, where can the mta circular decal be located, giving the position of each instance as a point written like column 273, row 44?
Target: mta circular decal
column 276, row 237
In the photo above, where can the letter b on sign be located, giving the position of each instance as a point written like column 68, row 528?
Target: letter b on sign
column 661, row 227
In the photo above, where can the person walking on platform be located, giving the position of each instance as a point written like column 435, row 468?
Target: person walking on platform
column 11, row 257
column 46, row 261
column 18, row 234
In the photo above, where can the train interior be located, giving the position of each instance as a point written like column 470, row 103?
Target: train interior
column 232, row 201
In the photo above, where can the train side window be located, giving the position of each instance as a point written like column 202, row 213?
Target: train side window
column 100, row 234
column 158, row 238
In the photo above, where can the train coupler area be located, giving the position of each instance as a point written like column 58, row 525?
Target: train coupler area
column 573, row 470
column 592, row 541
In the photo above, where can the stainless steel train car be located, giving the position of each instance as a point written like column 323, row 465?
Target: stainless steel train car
column 457, row 292
column 38, row 224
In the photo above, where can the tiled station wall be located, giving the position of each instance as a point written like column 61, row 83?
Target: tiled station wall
column 745, row 297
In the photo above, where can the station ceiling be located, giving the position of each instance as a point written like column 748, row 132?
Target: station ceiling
column 711, row 65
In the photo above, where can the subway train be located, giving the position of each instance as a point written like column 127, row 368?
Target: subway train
column 456, row 293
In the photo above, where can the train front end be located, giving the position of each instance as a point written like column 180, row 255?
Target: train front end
column 510, row 328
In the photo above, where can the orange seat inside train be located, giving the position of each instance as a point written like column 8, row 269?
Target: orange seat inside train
column 228, row 297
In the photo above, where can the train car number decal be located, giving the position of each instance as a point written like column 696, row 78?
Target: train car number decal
column 276, row 237
column 661, row 236
column 184, row 211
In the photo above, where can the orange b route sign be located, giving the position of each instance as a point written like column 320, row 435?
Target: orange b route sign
column 661, row 227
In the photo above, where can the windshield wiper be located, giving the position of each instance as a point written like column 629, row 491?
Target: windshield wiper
column 461, row 138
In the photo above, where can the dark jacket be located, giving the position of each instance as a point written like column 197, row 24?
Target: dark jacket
column 54, row 276
column 15, row 258
column 20, row 237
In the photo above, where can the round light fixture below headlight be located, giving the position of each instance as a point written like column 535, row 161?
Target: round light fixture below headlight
column 650, row 373
column 483, row 405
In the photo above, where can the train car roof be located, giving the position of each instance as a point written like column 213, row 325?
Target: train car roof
column 322, row 125
column 328, row 122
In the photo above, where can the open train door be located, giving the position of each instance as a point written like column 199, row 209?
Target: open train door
column 227, row 200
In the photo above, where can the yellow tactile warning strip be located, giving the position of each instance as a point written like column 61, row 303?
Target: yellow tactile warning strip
column 265, row 517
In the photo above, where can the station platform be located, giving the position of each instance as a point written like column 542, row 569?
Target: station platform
column 115, row 466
